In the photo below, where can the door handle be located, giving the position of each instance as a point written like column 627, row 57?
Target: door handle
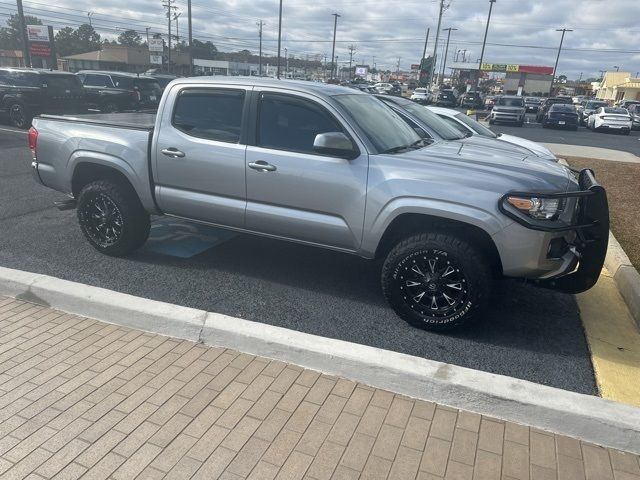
column 172, row 152
column 262, row 166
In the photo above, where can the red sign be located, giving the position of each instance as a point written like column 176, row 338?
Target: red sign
column 535, row 69
column 40, row 49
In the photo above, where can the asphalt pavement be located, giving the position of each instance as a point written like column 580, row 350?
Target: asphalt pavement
column 528, row 333
column 534, row 131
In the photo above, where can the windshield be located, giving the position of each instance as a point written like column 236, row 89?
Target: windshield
column 383, row 127
column 595, row 105
column 420, row 90
column 510, row 102
column 475, row 126
column 433, row 121
column 20, row 79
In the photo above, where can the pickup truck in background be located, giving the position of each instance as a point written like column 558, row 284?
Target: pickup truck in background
column 336, row 168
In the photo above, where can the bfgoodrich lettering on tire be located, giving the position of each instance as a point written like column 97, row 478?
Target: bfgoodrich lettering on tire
column 436, row 281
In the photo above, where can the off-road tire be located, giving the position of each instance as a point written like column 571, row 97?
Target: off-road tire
column 134, row 220
column 19, row 116
column 471, row 271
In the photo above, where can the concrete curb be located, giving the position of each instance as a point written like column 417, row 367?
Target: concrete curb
column 589, row 418
column 625, row 275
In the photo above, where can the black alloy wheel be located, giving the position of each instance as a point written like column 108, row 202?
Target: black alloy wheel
column 103, row 220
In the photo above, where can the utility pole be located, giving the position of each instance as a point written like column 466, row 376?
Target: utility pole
column 260, row 23
column 190, row 37
column 464, row 56
column 89, row 15
column 175, row 17
column 398, row 69
column 426, row 40
column 286, row 63
column 324, row 70
column 615, row 66
column 147, row 32
column 25, row 40
column 580, row 79
column 352, row 48
column 446, row 51
column 435, row 46
column 484, row 44
column 602, row 72
column 168, row 4
column 563, row 30
column 279, row 39
column 333, row 49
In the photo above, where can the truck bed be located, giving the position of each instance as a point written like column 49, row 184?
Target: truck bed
column 137, row 120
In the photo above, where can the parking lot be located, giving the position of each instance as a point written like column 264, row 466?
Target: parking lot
column 528, row 333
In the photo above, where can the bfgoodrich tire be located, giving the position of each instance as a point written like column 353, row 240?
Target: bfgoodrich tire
column 436, row 281
column 112, row 218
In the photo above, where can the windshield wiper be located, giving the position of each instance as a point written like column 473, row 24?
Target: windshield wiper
column 424, row 141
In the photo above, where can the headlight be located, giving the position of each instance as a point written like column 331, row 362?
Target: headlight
column 538, row 208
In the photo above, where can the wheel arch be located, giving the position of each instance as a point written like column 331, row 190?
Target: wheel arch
column 86, row 172
column 407, row 224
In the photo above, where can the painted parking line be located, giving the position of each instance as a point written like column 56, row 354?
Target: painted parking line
column 613, row 339
column 13, row 130
column 178, row 238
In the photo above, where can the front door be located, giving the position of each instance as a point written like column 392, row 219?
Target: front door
column 295, row 192
column 199, row 170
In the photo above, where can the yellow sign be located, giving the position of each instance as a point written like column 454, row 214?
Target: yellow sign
column 499, row 67
column 513, row 68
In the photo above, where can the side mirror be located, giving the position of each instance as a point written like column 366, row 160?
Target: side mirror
column 336, row 144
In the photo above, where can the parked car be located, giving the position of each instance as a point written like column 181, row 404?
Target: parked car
column 561, row 116
column 384, row 88
column 471, row 100
column 446, row 98
column 465, row 123
column 626, row 103
column 612, row 119
column 27, row 92
column 489, row 101
column 634, row 111
column 589, row 107
column 422, row 95
column 119, row 91
column 333, row 167
column 532, row 104
column 163, row 79
column 547, row 104
column 396, row 89
column 509, row 109
column 578, row 99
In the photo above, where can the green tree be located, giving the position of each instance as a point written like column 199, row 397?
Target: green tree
column 130, row 38
column 204, row 50
column 83, row 39
column 11, row 35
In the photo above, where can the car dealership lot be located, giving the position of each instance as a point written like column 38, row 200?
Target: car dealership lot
column 528, row 333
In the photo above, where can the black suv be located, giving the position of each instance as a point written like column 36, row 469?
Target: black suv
column 117, row 91
column 544, row 108
column 446, row 98
column 472, row 100
column 27, row 92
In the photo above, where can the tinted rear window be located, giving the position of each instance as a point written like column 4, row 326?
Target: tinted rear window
column 147, row 84
column 20, row 79
column 561, row 107
column 620, row 111
column 67, row 82
column 122, row 82
column 595, row 105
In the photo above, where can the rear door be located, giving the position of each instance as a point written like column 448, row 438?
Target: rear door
column 301, row 194
column 94, row 84
column 63, row 93
column 200, row 152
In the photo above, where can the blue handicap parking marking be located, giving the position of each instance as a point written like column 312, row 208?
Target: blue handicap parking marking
column 179, row 238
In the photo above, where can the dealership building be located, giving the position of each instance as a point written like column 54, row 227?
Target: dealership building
column 519, row 79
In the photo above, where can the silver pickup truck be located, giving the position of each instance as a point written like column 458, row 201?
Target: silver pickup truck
column 335, row 168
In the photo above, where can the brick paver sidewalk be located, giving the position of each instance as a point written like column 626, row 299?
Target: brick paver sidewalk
column 83, row 398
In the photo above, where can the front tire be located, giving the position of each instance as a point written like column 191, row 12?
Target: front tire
column 19, row 116
column 112, row 218
column 436, row 281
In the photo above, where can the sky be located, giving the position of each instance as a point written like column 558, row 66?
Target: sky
column 605, row 32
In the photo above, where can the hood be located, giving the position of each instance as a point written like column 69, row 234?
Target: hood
column 533, row 147
column 495, row 144
column 496, row 170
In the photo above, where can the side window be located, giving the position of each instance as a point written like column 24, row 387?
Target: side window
column 92, row 80
column 290, row 123
column 213, row 114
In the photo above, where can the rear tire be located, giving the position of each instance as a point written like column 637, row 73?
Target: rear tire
column 112, row 218
column 414, row 283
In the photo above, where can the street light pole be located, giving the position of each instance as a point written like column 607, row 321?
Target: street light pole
column 279, row 39
column 563, row 30
column 260, row 23
column 25, row 39
column 189, row 27
column 446, row 51
column 484, row 44
column 333, row 49
column 426, row 40
column 435, row 47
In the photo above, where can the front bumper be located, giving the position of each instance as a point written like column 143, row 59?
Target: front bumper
column 563, row 246
column 506, row 116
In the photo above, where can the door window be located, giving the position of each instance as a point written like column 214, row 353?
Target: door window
column 290, row 123
column 214, row 114
column 92, row 80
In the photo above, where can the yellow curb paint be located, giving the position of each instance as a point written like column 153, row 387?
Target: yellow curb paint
column 613, row 339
